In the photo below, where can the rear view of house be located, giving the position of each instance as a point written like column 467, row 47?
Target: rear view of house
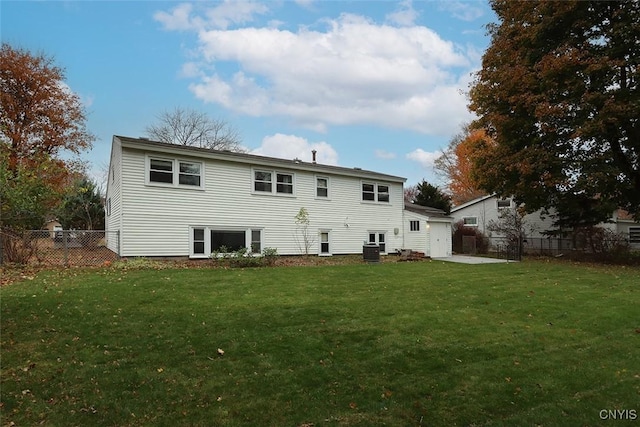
column 175, row 201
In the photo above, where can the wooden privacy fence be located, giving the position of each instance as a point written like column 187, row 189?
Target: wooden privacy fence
column 59, row 248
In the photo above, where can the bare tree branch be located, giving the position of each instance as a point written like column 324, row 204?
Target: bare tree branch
column 196, row 129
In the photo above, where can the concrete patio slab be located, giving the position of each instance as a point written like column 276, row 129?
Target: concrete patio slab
column 467, row 259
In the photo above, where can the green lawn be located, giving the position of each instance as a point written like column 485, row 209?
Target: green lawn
column 398, row 344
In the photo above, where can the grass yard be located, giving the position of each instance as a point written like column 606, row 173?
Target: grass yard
column 397, row 344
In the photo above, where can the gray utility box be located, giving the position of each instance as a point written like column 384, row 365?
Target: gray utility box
column 371, row 253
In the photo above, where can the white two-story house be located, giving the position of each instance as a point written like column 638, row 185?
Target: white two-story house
column 174, row 201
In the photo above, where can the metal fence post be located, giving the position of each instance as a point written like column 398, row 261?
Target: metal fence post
column 65, row 236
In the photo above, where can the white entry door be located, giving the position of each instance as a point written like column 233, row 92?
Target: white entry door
column 439, row 239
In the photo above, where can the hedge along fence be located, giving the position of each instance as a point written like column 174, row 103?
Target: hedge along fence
column 58, row 248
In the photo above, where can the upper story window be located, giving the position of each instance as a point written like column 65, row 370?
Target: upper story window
column 368, row 192
column 174, row 172
column 470, row 221
column 383, row 193
column 414, row 225
column 322, row 187
column 189, row 174
column 161, row 171
column 372, row 192
column 263, row 182
column 284, row 183
column 504, row 203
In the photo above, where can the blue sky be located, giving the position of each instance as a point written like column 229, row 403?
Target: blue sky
column 379, row 85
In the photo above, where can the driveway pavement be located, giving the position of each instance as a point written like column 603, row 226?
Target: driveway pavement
column 466, row 259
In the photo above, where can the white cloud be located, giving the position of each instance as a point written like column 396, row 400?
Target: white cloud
column 222, row 16
column 383, row 154
column 292, row 147
column 354, row 71
column 465, row 11
column 179, row 19
column 405, row 16
column 424, row 158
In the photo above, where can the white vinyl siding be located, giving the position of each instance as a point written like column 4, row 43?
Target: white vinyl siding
column 156, row 220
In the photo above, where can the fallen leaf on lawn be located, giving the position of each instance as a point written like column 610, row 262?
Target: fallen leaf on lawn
column 221, row 352
column 352, row 405
column 160, row 370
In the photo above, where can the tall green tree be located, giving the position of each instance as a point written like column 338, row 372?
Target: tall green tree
column 559, row 95
column 82, row 207
column 425, row 194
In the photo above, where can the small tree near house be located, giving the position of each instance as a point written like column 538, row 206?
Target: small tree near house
column 513, row 226
column 303, row 235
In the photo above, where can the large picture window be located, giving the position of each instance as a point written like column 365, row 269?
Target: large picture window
column 230, row 240
column 174, row 172
column 205, row 240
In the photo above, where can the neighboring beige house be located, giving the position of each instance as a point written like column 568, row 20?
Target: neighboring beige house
column 169, row 200
column 52, row 226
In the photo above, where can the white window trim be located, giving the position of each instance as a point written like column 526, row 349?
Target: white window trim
column 504, row 200
column 316, row 177
column 377, row 241
column 320, row 253
column 207, row 238
column 376, row 194
column 274, row 182
column 469, row 225
column 175, row 169
column 414, row 221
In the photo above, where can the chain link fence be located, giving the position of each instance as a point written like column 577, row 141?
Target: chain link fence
column 579, row 247
column 59, row 247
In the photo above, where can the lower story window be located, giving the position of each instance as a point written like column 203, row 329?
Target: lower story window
column 205, row 240
column 634, row 235
column 198, row 241
column 378, row 238
column 324, row 243
column 229, row 241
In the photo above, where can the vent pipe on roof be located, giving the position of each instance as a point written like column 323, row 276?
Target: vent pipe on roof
column 313, row 155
